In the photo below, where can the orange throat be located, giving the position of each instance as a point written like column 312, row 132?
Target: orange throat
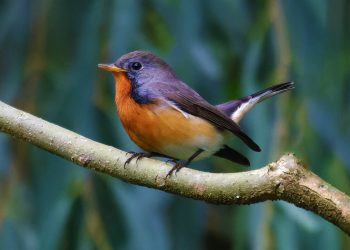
column 122, row 87
column 132, row 114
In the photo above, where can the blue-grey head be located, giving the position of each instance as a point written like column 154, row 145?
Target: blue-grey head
column 141, row 68
column 144, row 70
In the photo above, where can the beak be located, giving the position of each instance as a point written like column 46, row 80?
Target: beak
column 110, row 67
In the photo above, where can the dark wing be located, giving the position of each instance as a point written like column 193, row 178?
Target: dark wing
column 191, row 102
column 230, row 154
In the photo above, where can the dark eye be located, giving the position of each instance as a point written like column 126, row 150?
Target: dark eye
column 136, row 66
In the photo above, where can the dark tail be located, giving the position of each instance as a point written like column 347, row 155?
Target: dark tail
column 236, row 109
column 274, row 90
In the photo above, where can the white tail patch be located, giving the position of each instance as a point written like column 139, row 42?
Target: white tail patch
column 238, row 114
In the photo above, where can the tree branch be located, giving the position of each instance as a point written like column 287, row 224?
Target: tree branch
column 287, row 179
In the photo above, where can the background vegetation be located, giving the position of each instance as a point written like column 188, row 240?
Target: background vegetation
column 49, row 50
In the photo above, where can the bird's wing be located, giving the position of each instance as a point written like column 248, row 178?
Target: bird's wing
column 191, row 102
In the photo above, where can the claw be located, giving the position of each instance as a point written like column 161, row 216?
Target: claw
column 180, row 164
column 176, row 168
column 137, row 155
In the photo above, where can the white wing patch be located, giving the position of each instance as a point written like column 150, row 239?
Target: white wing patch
column 166, row 104
column 186, row 115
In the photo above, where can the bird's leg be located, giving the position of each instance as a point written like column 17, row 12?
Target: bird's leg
column 139, row 155
column 180, row 164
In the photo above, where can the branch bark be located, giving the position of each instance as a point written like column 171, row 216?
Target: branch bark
column 286, row 179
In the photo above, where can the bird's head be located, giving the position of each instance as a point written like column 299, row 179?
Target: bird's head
column 141, row 67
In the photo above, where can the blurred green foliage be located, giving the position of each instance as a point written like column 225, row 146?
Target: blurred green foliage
column 49, row 50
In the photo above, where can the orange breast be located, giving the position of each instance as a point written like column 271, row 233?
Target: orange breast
column 166, row 130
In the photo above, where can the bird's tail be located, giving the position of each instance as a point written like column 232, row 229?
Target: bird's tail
column 236, row 109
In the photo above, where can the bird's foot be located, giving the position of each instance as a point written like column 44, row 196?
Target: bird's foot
column 138, row 156
column 181, row 163
column 178, row 165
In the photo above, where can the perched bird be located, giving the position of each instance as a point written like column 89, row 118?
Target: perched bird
column 165, row 117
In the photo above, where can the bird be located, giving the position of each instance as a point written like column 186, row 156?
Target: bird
column 167, row 118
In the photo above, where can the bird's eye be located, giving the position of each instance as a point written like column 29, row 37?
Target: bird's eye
column 136, row 66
